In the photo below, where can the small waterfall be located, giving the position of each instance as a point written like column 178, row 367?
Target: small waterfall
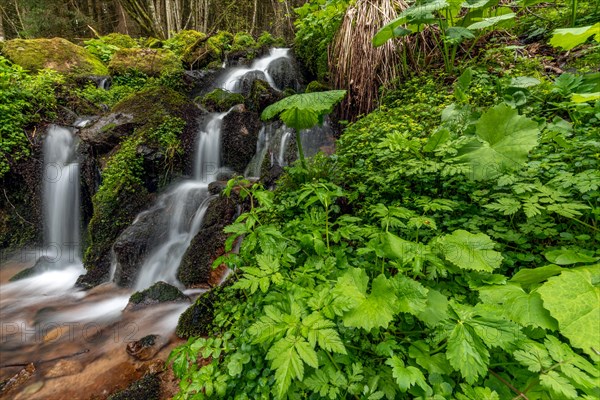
column 237, row 78
column 61, row 197
column 273, row 140
column 183, row 209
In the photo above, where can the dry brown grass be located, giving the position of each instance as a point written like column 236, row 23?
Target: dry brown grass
column 359, row 67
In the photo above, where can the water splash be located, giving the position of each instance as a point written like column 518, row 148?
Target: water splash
column 234, row 80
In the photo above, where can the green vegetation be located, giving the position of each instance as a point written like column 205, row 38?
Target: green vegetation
column 221, row 100
column 448, row 250
column 24, row 99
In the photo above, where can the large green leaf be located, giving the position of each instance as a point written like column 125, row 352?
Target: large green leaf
column 366, row 311
column 568, row 257
column 489, row 22
column 303, row 111
column 569, row 38
column 470, row 251
column 574, row 302
column 504, row 139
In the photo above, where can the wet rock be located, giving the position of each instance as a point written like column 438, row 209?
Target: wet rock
column 160, row 292
column 197, row 81
column 239, row 134
column 146, row 348
column 133, row 245
column 152, row 62
column 220, row 100
column 217, row 187
column 146, row 388
column 18, row 379
column 57, row 54
column 244, row 84
column 285, row 73
column 208, row 244
column 262, row 95
column 108, row 131
column 197, row 319
column 65, row 368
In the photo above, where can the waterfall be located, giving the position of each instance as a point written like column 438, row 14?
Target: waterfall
column 184, row 207
column 235, row 79
column 61, row 197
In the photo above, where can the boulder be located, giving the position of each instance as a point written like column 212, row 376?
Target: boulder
column 152, row 62
column 134, row 243
column 197, row 319
column 57, row 54
column 146, row 388
column 244, row 84
column 207, row 50
column 262, row 95
column 239, row 134
column 146, row 348
column 208, row 244
column 108, row 131
column 285, row 73
column 220, row 100
column 160, row 292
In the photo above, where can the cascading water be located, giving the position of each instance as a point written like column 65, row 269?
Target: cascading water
column 61, row 198
column 234, row 81
column 184, row 207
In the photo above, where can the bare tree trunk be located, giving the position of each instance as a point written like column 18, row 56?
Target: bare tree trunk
column 1, row 25
column 122, row 26
column 254, row 17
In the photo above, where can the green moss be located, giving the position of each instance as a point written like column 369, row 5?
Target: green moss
column 24, row 274
column 267, row 40
column 183, row 40
column 220, row 100
column 56, row 54
column 197, row 319
column 160, row 292
column 243, row 41
column 151, row 62
column 147, row 388
column 120, row 40
column 316, row 86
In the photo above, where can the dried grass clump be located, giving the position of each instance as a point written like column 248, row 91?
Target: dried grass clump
column 359, row 67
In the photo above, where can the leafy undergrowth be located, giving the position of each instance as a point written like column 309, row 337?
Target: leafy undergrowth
column 448, row 250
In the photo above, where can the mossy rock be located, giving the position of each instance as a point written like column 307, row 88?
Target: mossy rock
column 220, row 100
column 262, row 95
column 120, row 40
column 57, row 54
column 207, row 50
column 316, row 86
column 243, row 41
column 147, row 388
column 180, row 42
column 152, row 62
column 267, row 40
column 160, row 292
column 198, row 318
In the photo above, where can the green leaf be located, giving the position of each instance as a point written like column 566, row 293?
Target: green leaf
column 523, row 82
column 574, row 302
column 470, row 251
column 584, row 97
column 436, row 310
column 321, row 331
column 406, row 377
column 388, row 31
column 489, row 22
column 533, row 356
column 568, row 38
column 524, row 308
column 436, row 140
column 467, row 353
column 412, row 296
column 307, row 353
column 287, row 364
column 558, row 384
column 568, row 257
column 366, row 311
column 303, row 111
column 504, row 141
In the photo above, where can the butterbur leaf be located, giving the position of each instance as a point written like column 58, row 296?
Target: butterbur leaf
column 568, row 38
column 489, row 22
column 470, row 251
column 406, row 377
column 504, row 141
column 574, row 302
column 568, row 257
column 366, row 311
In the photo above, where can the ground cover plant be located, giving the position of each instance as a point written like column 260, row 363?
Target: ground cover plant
column 448, row 250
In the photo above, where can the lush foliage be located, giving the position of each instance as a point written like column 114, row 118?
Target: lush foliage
column 316, row 25
column 448, row 250
column 24, row 99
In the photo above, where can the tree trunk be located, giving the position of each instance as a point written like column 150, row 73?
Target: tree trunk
column 1, row 24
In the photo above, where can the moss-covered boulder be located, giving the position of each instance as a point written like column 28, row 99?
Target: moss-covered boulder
column 57, row 54
column 316, row 86
column 207, row 50
column 160, row 292
column 146, row 388
column 119, row 40
column 152, row 62
column 262, row 95
column 197, row 319
column 181, row 41
column 208, row 244
column 220, row 100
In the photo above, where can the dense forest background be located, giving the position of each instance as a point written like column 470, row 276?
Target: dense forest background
column 73, row 19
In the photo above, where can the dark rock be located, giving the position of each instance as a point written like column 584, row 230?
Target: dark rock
column 147, row 388
column 239, row 135
column 108, row 131
column 208, row 244
column 133, row 245
column 262, row 95
column 160, row 292
column 285, row 73
column 197, row 319
column 198, row 82
column 217, row 187
column 146, row 348
column 244, row 84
